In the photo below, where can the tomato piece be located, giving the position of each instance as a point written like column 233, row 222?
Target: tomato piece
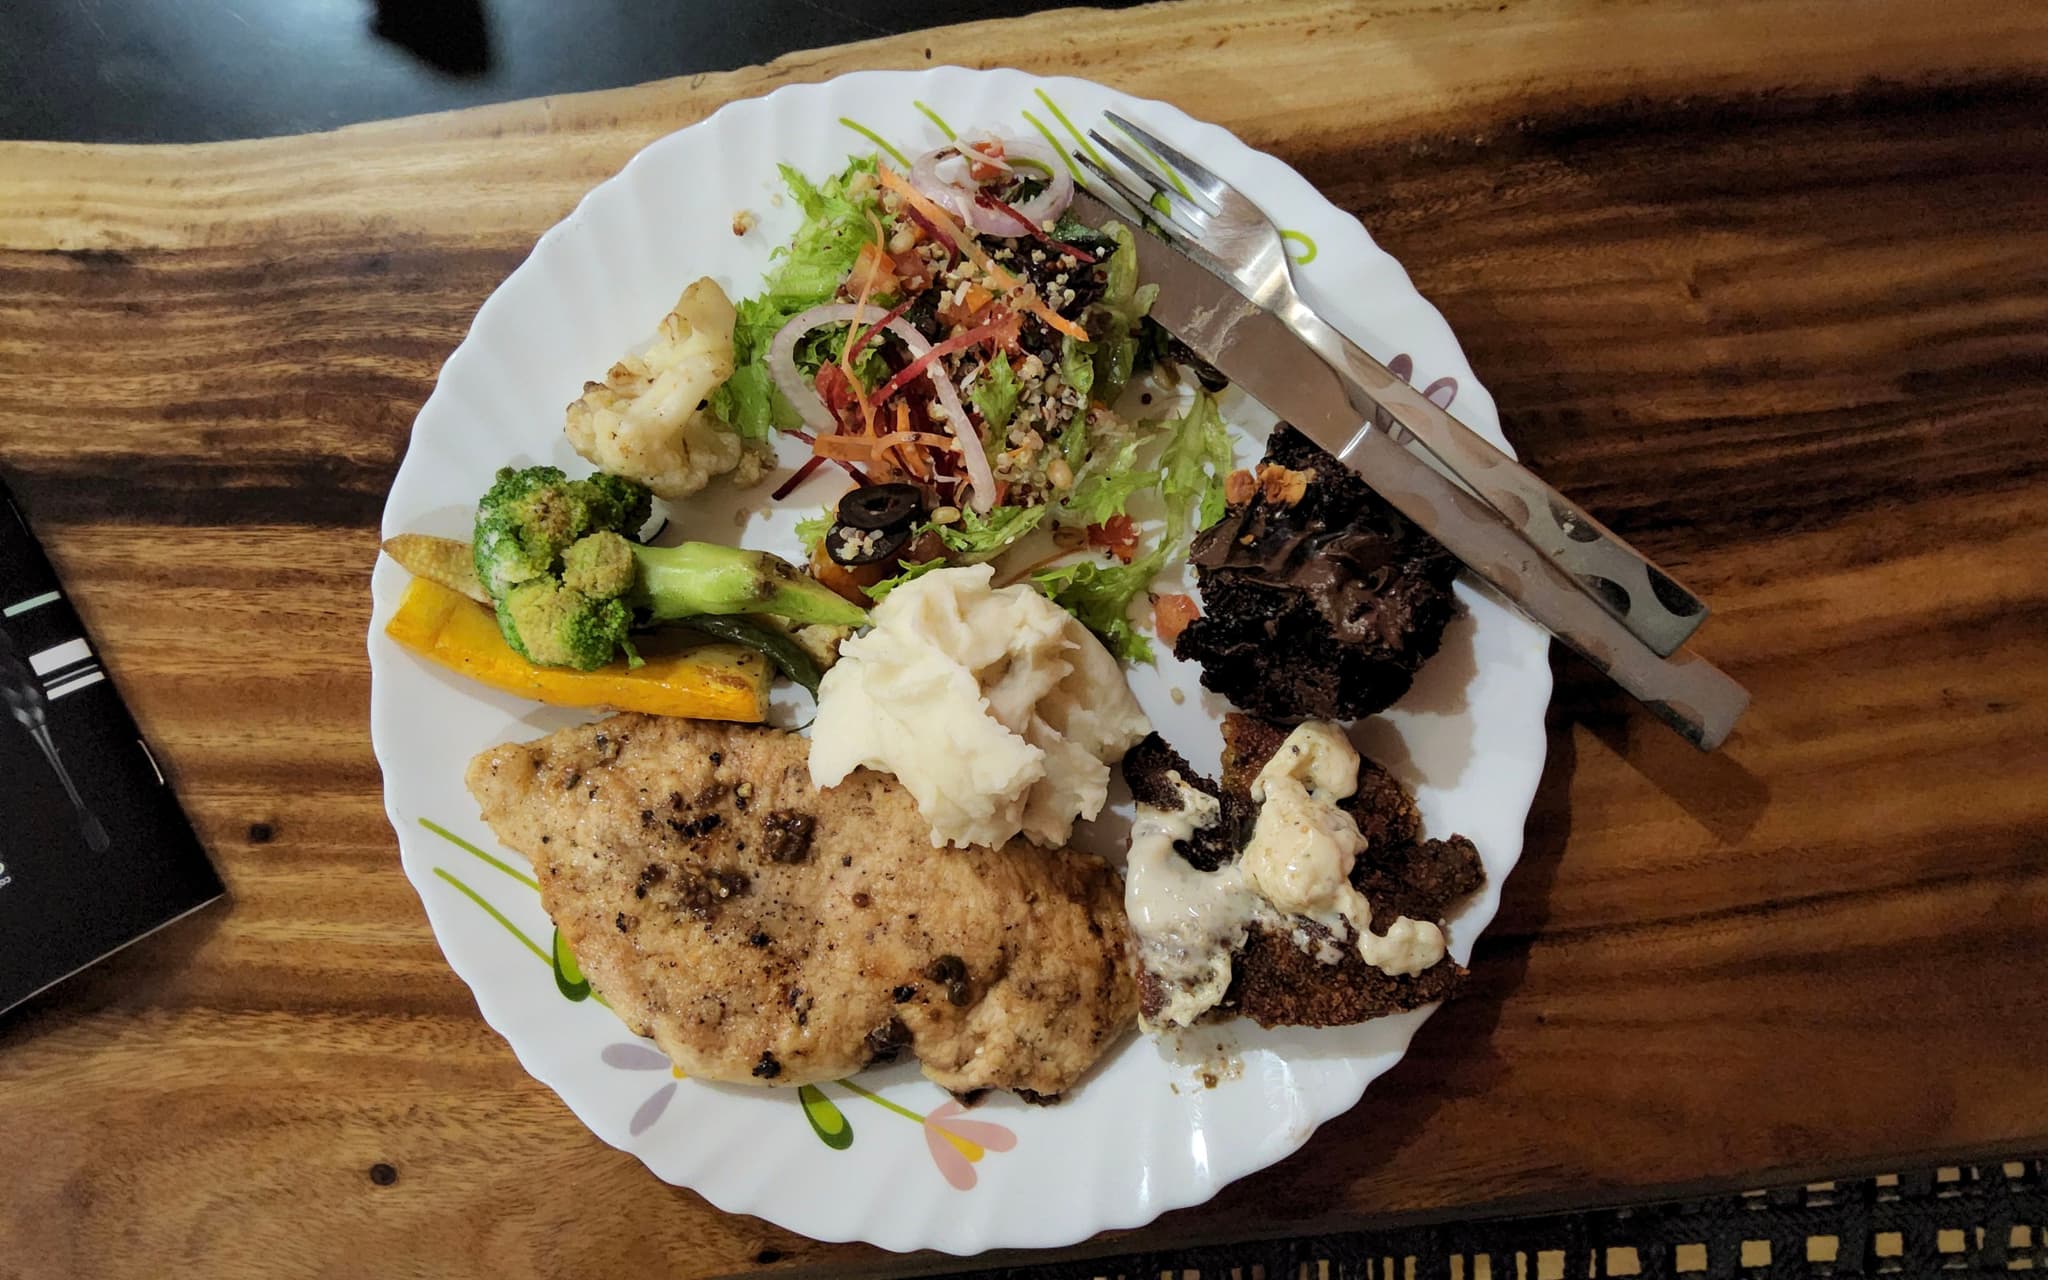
column 912, row 270
column 874, row 271
column 1118, row 535
column 1171, row 615
column 981, row 170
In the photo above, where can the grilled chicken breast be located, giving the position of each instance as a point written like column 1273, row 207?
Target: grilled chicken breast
column 764, row 931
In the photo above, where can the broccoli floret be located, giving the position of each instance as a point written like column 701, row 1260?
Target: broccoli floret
column 600, row 566
column 568, row 581
column 559, row 626
column 530, row 517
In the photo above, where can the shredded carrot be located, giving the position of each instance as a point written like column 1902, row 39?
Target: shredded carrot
column 1028, row 301
column 868, row 447
column 860, row 304
column 1025, row 298
column 913, row 457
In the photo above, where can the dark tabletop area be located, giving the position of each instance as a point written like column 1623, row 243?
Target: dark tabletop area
column 206, row 70
column 1769, row 292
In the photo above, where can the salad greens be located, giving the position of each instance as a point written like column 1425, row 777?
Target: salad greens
column 1124, row 304
column 1044, row 403
column 995, row 393
column 1189, row 473
column 839, row 217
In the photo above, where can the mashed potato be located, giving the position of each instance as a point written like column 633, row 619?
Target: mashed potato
column 995, row 708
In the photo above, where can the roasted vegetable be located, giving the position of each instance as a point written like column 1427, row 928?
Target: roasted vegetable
column 568, row 582
column 706, row 682
column 779, row 647
column 448, row 561
column 651, row 418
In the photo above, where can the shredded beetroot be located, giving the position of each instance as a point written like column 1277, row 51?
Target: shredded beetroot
column 983, row 333
column 861, row 344
column 788, row 486
column 796, row 478
column 1037, row 233
column 929, row 229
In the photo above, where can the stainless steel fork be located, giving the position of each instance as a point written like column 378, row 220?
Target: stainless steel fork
column 1213, row 221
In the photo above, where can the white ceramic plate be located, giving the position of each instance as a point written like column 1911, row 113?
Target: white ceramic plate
column 889, row 1158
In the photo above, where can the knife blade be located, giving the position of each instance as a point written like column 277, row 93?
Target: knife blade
column 1255, row 349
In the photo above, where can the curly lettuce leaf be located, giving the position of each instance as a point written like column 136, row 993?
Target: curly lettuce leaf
column 1100, row 596
column 806, row 272
column 995, row 393
column 809, row 268
column 812, row 531
column 1196, row 462
column 1189, row 475
column 976, row 537
column 911, row 572
column 1108, row 479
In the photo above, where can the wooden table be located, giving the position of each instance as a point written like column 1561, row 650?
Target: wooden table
column 1766, row 285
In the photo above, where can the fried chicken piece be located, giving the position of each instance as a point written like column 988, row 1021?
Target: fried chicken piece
column 763, row 931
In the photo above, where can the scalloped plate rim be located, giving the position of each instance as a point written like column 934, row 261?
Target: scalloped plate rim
column 1516, row 791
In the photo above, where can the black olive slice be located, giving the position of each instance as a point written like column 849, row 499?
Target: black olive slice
column 881, row 506
column 850, row 546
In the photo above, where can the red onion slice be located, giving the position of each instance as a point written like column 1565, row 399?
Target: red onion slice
column 957, row 197
column 782, row 364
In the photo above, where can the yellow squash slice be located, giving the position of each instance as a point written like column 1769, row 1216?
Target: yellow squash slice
column 703, row 682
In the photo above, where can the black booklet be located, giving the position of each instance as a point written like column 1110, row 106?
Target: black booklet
column 94, row 851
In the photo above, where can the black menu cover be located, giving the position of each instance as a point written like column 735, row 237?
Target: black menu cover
column 94, row 851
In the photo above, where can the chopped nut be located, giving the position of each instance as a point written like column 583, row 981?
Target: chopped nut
column 1238, row 487
column 743, row 222
column 1282, row 485
column 1059, row 475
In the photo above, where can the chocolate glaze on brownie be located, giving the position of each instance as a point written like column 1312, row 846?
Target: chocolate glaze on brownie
column 1319, row 608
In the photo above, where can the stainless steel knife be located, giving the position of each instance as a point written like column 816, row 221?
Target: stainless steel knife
column 1255, row 349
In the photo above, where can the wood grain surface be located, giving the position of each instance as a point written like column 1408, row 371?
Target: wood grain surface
column 1764, row 285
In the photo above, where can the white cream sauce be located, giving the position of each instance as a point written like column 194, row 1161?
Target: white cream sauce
column 1189, row 924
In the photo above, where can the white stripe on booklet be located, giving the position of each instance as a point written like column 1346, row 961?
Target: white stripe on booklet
column 73, row 686
column 62, row 655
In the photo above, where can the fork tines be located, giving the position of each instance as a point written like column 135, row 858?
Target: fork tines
column 1183, row 213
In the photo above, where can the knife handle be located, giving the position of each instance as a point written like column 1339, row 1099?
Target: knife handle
column 1686, row 691
column 1645, row 599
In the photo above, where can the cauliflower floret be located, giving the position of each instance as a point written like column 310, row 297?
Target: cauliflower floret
column 650, row 419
